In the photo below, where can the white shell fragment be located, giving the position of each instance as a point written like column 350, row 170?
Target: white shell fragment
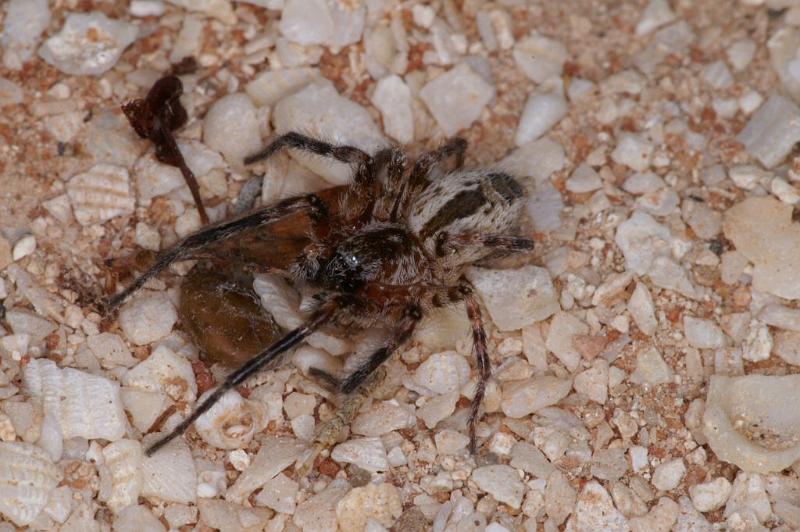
column 751, row 421
column 147, row 317
column 231, row 422
column 169, row 474
column 27, row 477
column 124, row 459
column 100, row 194
column 456, row 98
column 88, row 44
column 87, row 406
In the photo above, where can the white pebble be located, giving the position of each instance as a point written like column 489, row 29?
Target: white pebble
column 595, row 510
column 740, row 53
column 443, row 372
column 25, row 20
column 450, row 441
column 656, row 14
column 501, row 482
column 88, row 44
column 366, row 453
column 717, row 75
column 541, row 112
column 593, row 382
column 392, row 97
column 239, row 459
column 147, row 317
column 383, row 418
column 668, row 475
column 642, row 309
column 540, row 57
column 24, row 247
column 521, row 398
column 457, row 98
column 584, row 179
column 784, row 191
column 708, row 496
column 703, row 334
column 515, row 298
column 772, row 131
column 423, row 15
column 633, row 151
column 231, row 127
column 146, row 8
column 651, row 369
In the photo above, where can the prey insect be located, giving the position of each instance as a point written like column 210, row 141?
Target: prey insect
column 383, row 250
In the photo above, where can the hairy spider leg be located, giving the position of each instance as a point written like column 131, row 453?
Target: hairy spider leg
column 402, row 333
column 207, row 236
column 323, row 315
column 508, row 243
column 455, row 147
column 481, row 355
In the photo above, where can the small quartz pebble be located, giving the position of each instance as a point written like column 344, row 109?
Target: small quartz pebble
column 392, row 97
column 641, row 240
column 456, row 98
column 541, row 112
column 25, row 21
column 717, row 75
column 563, row 328
column 595, row 510
column 438, row 408
column 443, row 372
column 703, row 334
column 450, row 441
column 521, row 398
column 633, row 151
column 651, row 368
column 271, row 86
column 642, row 309
column 584, row 179
column 148, row 317
column 231, row 127
column 383, row 418
column 656, row 14
column 668, row 475
column 772, row 131
column 24, row 247
column 708, row 496
column 88, row 44
column 741, row 52
column 501, row 482
column 378, row 502
column 146, row 8
column 540, row 57
column 593, row 382
column 515, row 298
column 280, row 494
column 10, row 93
column 366, row 453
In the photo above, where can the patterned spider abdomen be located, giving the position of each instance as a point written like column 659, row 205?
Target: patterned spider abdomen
column 465, row 203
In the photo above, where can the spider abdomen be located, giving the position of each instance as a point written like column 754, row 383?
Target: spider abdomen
column 476, row 201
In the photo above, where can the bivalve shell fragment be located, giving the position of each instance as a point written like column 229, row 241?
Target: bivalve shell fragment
column 100, row 194
column 27, row 476
column 87, row 406
column 124, row 460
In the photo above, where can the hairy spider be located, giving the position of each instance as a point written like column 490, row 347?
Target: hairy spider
column 396, row 246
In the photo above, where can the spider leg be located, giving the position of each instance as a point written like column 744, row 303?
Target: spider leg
column 482, row 356
column 345, row 154
column 253, row 366
column 205, row 237
column 402, row 333
column 509, row 243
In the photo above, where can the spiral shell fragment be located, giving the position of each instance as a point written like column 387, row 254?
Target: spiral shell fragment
column 27, row 476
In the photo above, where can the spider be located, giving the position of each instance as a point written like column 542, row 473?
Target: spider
column 396, row 246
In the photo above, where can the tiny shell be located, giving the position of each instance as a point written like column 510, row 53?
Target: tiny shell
column 100, row 194
column 170, row 474
column 27, row 476
column 231, row 422
column 86, row 406
column 164, row 371
column 124, row 460
column 751, row 421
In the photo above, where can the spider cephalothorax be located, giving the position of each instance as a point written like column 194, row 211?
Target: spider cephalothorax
column 396, row 246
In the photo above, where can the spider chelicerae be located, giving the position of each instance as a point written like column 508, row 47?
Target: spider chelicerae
column 396, row 246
